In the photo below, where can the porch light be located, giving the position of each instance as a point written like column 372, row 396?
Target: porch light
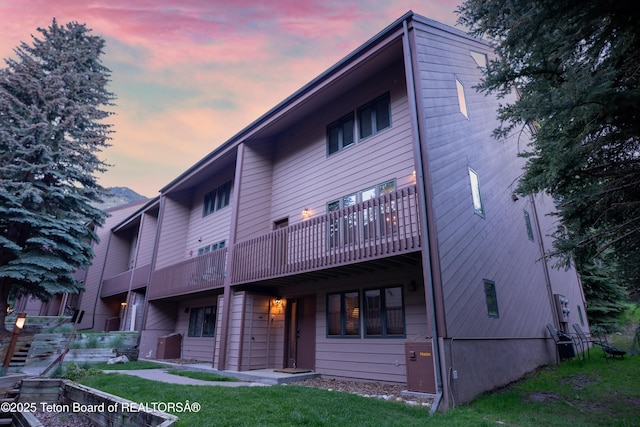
column 123, row 304
column 17, row 328
column 278, row 301
column 305, row 213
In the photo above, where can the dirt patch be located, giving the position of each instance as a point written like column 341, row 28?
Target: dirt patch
column 578, row 381
column 543, row 396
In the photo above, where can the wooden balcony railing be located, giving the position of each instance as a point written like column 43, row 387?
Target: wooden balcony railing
column 201, row 273
column 382, row 227
column 120, row 282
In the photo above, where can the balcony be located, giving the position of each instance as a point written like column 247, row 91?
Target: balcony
column 198, row 274
column 120, row 283
column 378, row 228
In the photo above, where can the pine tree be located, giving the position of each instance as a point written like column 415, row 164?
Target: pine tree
column 575, row 65
column 51, row 132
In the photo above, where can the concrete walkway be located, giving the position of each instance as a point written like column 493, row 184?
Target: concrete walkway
column 165, row 377
column 258, row 377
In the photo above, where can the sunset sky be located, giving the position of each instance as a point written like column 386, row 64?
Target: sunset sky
column 189, row 74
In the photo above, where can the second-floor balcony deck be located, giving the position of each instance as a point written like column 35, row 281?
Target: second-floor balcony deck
column 382, row 227
column 378, row 228
column 130, row 279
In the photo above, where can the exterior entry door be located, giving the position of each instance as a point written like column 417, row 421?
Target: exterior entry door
column 301, row 333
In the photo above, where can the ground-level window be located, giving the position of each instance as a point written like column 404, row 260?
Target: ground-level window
column 580, row 315
column 202, row 321
column 343, row 314
column 384, row 312
column 492, row 298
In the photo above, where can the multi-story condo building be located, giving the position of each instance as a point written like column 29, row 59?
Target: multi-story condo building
column 364, row 225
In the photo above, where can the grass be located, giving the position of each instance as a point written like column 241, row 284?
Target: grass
column 204, row 376
column 598, row 393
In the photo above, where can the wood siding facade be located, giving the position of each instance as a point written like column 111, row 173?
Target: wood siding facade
column 285, row 245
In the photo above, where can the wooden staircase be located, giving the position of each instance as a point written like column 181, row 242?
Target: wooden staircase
column 11, row 395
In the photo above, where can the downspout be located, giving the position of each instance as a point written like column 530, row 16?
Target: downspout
column 545, row 266
column 95, row 302
column 426, row 255
column 127, row 310
column 226, row 315
column 154, row 257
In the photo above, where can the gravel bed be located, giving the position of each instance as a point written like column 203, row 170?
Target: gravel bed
column 62, row 419
column 392, row 392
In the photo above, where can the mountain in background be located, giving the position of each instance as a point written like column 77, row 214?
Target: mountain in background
column 120, row 196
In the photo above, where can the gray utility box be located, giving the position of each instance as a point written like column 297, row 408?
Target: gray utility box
column 420, row 371
column 169, row 346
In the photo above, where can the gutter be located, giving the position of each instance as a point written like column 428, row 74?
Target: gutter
column 424, row 222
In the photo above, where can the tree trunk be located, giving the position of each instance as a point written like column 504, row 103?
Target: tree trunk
column 5, row 287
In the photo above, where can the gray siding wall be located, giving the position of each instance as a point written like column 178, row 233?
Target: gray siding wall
column 202, row 231
column 119, row 251
column 380, row 359
column 198, row 348
column 174, row 229
column 486, row 352
column 256, row 189
column 280, row 178
column 235, row 331
column 473, row 248
column 147, row 238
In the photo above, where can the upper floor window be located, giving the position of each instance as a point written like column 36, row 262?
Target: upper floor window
column 527, row 223
column 478, row 207
column 374, row 116
column 202, row 321
column 340, row 134
column 480, row 58
column 212, row 247
column 491, row 298
column 462, row 101
column 217, row 199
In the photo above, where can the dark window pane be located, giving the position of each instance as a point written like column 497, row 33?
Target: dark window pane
column 393, row 308
column 195, row 322
column 209, row 322
column 492, row 299
column 366, row 124
column 333, row 315
column 347, row 133
column 352, row 314
column 373, row 313
column 383, row 120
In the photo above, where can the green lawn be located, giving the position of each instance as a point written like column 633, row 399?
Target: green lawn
column 596, row 393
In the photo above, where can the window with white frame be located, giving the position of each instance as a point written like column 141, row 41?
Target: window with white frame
column 462, row 101
column 476, row 196
column 212, row 247
column 375, row 221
